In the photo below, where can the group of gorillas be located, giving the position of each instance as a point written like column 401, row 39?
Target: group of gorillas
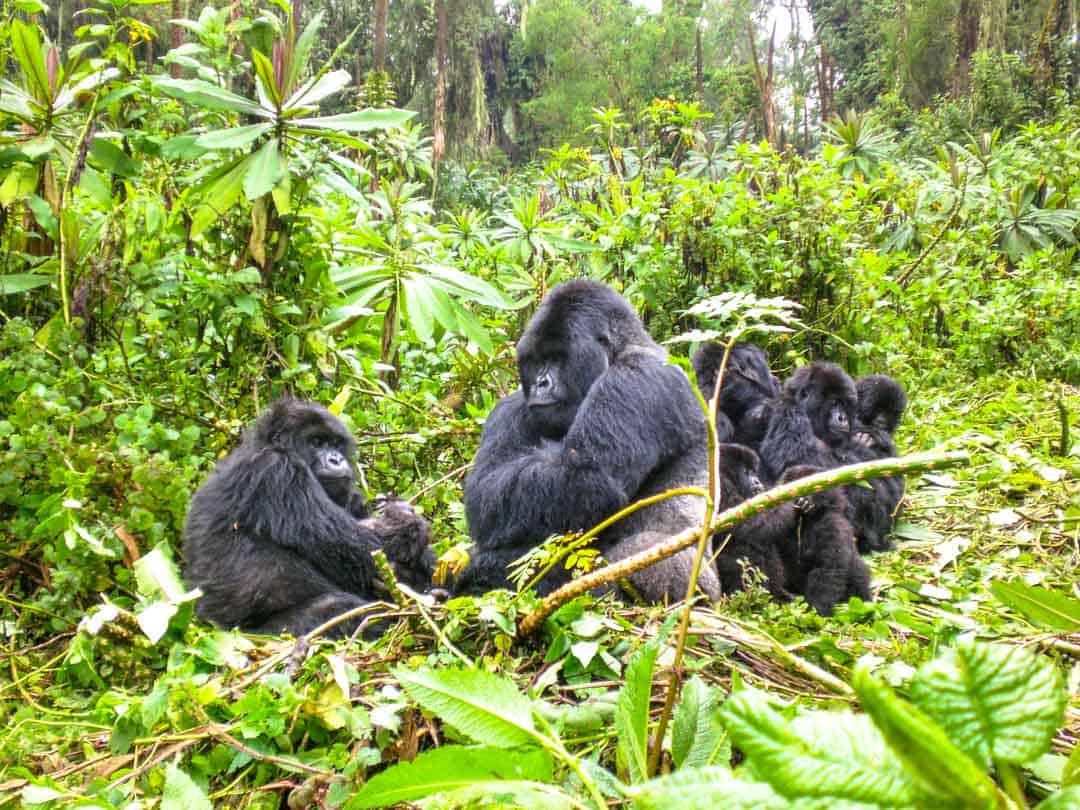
column 279, row 538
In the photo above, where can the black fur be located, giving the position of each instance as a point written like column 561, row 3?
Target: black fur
column 757, row 541
column 881, row 404
column 601, row 420
column 279, row 539
column 820, row 560
column 745, row 393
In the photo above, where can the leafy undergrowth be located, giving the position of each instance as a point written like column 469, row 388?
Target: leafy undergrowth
column 976, row 623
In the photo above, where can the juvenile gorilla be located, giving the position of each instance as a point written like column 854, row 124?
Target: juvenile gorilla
column 278, row 537
column 820, row 559
column 600, row 421
column 881, row 402
column 814, row 423
column 746, row 392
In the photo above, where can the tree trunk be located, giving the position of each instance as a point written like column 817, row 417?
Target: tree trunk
column 966, row 36
column 382, row 10
column 438, row 126
column 766, row 83
column 176, row 35
column 699, row 67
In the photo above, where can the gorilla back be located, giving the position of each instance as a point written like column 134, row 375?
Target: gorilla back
column 600, row 421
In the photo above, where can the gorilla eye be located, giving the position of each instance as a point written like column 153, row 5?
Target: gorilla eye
column 603, row 340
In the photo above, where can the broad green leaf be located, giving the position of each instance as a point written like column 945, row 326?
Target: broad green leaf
column 485, row 708
column 89, row 82
column 209, row 96
column 632, row 713
column 419, row 305
column 43, row 215
column 110, row 157
column 282, row 194
column 26, row 45
column 302, row 50
column 232, row 138
column 153, row 619
column 359, row 121
column 472, row 329
column 706, row 789
column 998, row 703
column 1043, row 606
column 39, row 794
column 219, row 195
column 14, row 100
column 1071, row 774
column 805, row 765
column 181, row 792
column 931, row 757
column 156, row 574
column 571, row 245
column 264, row 71
column 696, row 734
column 20, row 181
column 456, row 282
column 265, row 172
column 450, row 768
column 1067, row 799
column 21, row 282
column 312, row 92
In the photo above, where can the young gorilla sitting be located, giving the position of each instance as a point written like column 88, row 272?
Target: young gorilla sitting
column 600, row 421
column 278, row 537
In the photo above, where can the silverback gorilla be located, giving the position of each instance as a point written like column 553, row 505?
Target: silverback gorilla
column 600, row 421
column 278, row 537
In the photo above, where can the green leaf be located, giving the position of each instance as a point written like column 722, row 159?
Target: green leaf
column 706, row 789
column 632, row 713
column 450, row 768
column 359, row 121
column 312, row 92
column 219, row 194
column 21, row 282
column 209, row 96
column 43, row 215
column 998, row 703
column 1042, row 606
column 232, row 138
column 181, row 792
column 830, row 755
column 1071, row 774
column 697, row 738
column 264, row 71
column 26, row 45
column 156, row 574
column 302, row 50
column 39, row 794
column 457, row 283
column 265, row 171
column 110, row 157
column 420, row 305
column 930, row 756
column 483, row 707
column 1068, row 799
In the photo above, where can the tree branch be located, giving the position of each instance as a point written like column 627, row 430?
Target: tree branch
column 839, row 476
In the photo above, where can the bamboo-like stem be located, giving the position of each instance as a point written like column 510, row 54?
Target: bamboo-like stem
column 674, row 686
column 838, row 476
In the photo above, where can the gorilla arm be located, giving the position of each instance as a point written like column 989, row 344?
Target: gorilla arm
column 637, row 415
column 278, row 500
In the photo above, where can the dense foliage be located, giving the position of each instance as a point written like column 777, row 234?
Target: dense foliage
column 178, row 250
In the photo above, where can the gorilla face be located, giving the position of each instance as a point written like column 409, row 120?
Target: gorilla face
column 827, row 394
column 571, row 340
column 312, row 434
column 739, row 466
column 881, row 402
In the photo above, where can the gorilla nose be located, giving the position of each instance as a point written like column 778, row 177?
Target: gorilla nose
column 335, row 461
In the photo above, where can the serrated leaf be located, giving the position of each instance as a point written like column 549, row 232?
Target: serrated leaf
column 706, row 789
column 696, row 734
column 451, row 768
column 485, row 708
column 181, row 792
column 632, row 713
column 805, row 765
column 1041, row 605
column 930, row 756
column 997, row 703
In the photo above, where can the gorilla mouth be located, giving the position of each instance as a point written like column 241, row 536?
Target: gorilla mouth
column 536, row 404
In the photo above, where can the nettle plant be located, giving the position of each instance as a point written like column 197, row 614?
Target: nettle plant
column 973, row 718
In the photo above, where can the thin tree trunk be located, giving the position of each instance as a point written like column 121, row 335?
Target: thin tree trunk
column 382, row 11
column 766, row 82
column 699, row 67
column 176, row 36
column 966, row 37
column 438, row 146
